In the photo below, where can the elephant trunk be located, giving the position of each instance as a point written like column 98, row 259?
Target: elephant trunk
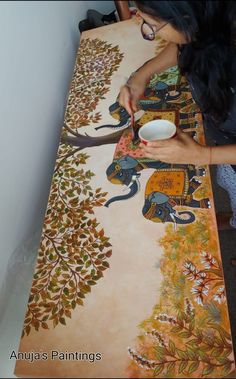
column 134, row 187
column 180, row 220
column 118, row 126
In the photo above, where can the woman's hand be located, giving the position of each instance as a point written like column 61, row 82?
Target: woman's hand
column 180, row 149
column 131, row 92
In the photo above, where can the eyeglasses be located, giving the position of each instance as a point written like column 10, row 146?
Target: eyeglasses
column 148, row 31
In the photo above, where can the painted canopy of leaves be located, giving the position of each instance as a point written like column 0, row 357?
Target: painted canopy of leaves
column 183, row 338
column 74, row 249
column 96, row 61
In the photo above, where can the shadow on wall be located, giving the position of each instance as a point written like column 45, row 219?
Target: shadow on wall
column 18, row 277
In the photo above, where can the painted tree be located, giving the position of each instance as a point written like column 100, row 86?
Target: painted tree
column 74, row 249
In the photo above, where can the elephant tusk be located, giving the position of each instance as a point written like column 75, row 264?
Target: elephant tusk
column 133, row 179
column 174, row 221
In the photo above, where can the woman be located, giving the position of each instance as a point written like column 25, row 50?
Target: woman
column 201, row 41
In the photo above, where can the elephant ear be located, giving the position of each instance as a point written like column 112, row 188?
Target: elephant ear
column 115, row 107
column 118, row 112
column 127, row 162
column 158, row 198
column 161, row 86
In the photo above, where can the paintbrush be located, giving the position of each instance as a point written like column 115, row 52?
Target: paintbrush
column 132, row 122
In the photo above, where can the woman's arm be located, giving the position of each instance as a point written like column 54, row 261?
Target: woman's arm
column 135, row 87
column 223, row 154
column 183, row 149
column 167, row 58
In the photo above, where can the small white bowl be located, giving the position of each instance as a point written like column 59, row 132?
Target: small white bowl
column 156, row 130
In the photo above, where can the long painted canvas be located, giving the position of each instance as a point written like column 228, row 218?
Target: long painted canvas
column 128, row 281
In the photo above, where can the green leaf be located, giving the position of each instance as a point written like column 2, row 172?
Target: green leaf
column 62, row 320
column 191, row 353
column 209, row 341
column 91, row 282
column 207, row 370
column 182, row 366
column 93, row 272
column 185, row 335
column 158, row 369
column 79, row 302
column 172, row 347
column 216, row 352
column 176, row 329
column 80, row 294
column 180, row 320
column 221, row 330
column 203, row 355
column 199, row 334
column 193, row 367
column 182, row 354
column 223, row 360
column 170, row 367
column 58, row 270
column 160, row 352
column 54, row 310
column 227, row 352
column 194, row 343
column 192, row 325
column 71, row 283
column 206, row 348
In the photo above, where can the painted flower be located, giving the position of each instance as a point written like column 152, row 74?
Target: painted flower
column 189, row 309
column 201, row 290
column 154, row 333
column 190, row 268
column 208, row 260
column 199, row 300
column 163, row 317
column 220, row 295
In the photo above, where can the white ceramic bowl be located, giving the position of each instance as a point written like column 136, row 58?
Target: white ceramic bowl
column 156, row 130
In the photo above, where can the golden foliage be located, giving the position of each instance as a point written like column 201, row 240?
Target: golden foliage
column 181, row 339
column 74, row 250
column 96, row 61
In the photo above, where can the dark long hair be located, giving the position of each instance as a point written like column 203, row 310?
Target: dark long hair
column 209, row 27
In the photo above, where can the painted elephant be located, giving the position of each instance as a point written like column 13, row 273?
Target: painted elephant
column 160, row 96
column 168, row 187
column 160, row 100
column 158, row 207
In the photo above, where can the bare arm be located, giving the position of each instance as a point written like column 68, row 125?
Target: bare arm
column 223, row 154
column 165, row 59
column 135, row 87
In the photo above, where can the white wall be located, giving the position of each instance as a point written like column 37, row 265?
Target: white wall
column 38, row 42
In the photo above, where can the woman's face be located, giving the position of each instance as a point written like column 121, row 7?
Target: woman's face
column 167, row 32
